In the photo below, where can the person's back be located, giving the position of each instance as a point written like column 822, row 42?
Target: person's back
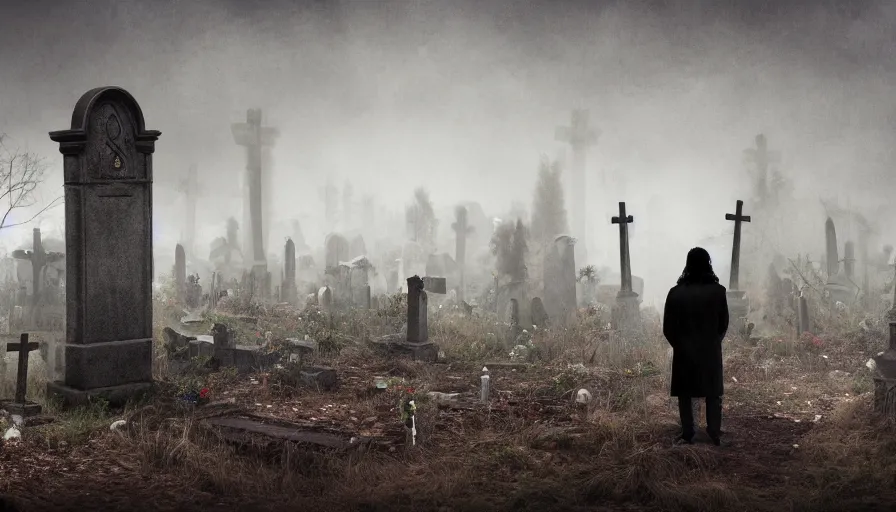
column 694, row 323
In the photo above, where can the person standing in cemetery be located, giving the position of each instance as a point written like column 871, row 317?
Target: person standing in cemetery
column 694, row 323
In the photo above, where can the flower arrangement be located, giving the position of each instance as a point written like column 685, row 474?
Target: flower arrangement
column 193, row 392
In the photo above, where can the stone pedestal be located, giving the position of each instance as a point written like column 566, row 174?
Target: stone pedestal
column 396, row 345
column 885, row 380
column 25, row 410
column 626, row 314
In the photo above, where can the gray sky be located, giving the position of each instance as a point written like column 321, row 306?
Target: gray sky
column 462, row 97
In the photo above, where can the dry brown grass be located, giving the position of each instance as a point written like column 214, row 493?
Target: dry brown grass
column 533, row 449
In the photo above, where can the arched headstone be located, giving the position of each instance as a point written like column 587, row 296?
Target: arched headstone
column 108, row 213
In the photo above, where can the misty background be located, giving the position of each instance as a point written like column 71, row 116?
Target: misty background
column 463, row 98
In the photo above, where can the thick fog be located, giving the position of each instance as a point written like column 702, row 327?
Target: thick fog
column 463, row 98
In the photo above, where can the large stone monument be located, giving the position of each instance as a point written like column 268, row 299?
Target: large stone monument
column 107, row 156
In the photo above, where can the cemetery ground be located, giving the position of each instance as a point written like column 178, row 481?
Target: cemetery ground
column 797, row 421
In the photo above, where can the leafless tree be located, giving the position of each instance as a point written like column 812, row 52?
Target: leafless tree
column 20, row 174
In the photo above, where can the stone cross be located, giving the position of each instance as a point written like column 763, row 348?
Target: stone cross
column 624, row 262
column 39, row 260
column 462, row 229
column 580, row 137
column 737, row 217
column 20, row 404
column 254, row 137
column 108, row 211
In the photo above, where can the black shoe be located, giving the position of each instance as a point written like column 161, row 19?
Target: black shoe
column 716, row 441
column 684, row 440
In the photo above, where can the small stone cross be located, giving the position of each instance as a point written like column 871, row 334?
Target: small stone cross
column 20, row 405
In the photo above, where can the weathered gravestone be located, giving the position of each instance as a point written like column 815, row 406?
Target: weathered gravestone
column 180, row 272
column 416, row 343
column 803, row 323
column 288, row 290
column 107, row 161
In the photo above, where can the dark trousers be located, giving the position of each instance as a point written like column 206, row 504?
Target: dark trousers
column 713, row 416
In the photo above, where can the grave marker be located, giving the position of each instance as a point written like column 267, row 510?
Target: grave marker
column 255, row 137
column 108, row 239
column 20, row 405
column 627, row 309
column 738, row 304
column 39, row 260
column 180, row 272
column 289, row 278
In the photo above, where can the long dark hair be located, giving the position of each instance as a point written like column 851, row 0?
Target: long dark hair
column 698, row 268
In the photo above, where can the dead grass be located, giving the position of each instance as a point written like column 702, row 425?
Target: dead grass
column 533, row 449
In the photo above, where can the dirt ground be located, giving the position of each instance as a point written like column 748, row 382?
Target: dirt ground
column 534, row 450
column 798, row 429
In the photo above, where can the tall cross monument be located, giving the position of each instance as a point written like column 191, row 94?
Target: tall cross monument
column 255, row 137
column 738, row 304
column 580, row 137
column 626, row 313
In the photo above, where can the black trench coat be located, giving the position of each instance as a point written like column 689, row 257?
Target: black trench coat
column 694, row 323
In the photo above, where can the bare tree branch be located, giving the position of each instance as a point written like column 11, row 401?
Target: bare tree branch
column 20, row 175
column 54, row 203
